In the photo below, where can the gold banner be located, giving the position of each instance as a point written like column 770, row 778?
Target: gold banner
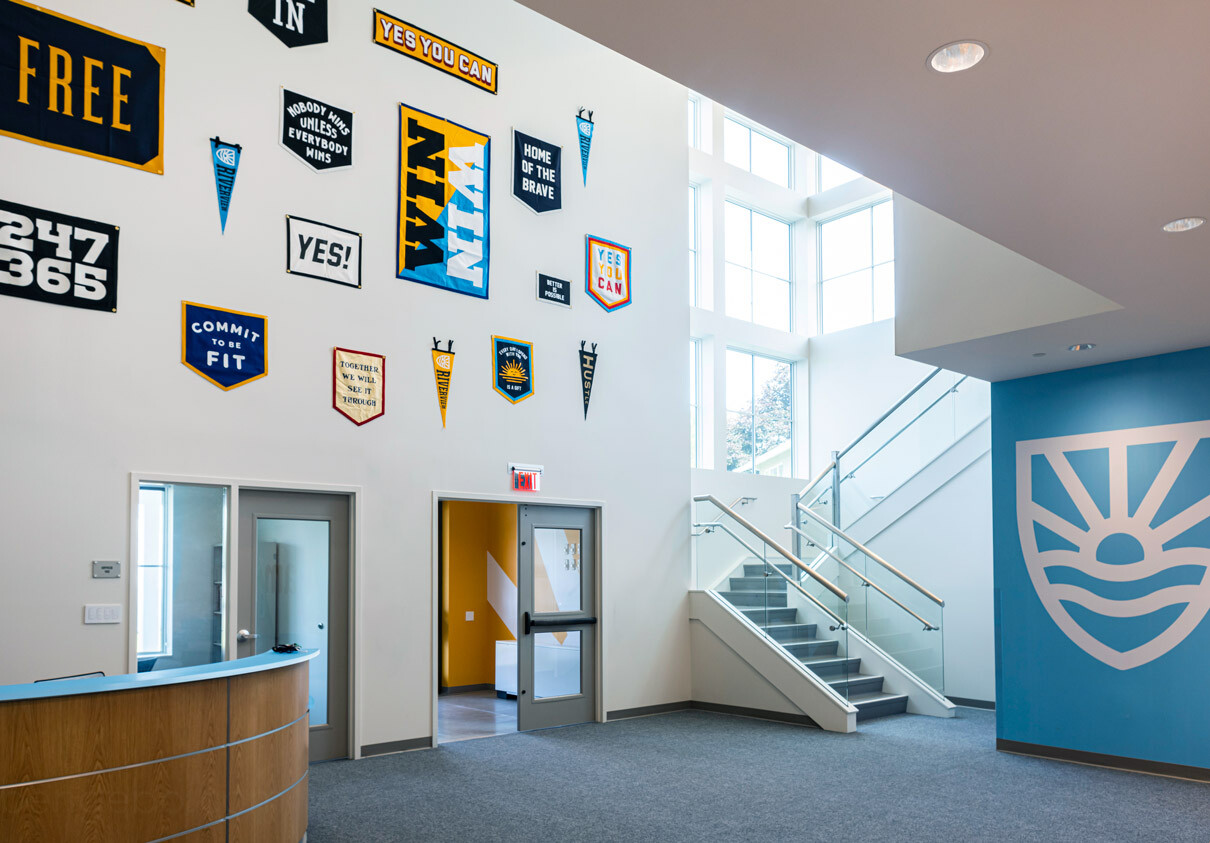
column 416, row 43
column 443, row 371
column 358, row 384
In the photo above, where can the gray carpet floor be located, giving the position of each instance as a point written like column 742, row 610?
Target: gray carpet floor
column 695, row 776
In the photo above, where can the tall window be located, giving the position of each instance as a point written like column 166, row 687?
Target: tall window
column 833, row 175
column 759, row 414
column 756, row 152
column 758, row 267
column 693, row 245
column 693, row 123
column 154, row 624
column 695, row 415
column 857, row 268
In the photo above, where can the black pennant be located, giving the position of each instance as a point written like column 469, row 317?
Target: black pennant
column 588, row 368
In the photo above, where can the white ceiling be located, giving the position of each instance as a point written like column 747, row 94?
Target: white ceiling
column 1082, row 132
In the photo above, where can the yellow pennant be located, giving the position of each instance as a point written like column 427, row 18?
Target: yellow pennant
column 443, row 370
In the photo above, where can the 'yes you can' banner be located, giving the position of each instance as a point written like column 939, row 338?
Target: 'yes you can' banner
column 444, row 221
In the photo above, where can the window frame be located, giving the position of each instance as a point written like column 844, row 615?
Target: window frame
column 695, row 403
column 166, row 569
column 819, row 250
column 752, row 355
column 753, row 129
column 696, row 248
column 789, row 282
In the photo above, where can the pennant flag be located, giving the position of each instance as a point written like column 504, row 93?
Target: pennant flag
column 588, row 368
column 584, row 126
column 225, row 157
column 443, row 370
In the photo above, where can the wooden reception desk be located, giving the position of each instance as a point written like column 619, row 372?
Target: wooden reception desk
column 200, row 754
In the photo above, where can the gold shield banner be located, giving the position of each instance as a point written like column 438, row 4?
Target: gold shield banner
column 443, row 371
column 358, row 384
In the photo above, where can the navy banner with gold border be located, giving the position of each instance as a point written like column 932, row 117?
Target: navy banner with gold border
column 513, row 365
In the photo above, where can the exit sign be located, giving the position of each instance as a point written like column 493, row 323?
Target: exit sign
column 526, row 478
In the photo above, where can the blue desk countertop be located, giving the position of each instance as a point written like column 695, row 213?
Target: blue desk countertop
column 153, row 678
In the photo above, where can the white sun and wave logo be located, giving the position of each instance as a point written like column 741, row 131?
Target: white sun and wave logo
column 1151, row 538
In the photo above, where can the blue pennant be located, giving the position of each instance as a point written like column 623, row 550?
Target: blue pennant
column 584, row 126
column 225, row 157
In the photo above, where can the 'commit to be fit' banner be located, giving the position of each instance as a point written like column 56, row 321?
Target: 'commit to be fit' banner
column 444, row 222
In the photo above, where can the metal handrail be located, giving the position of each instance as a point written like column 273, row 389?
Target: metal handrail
column 928, row 627
column 779, row 571
column 760, row 534
column 871, row 554
column 892, row 409
column 734, row 503
column 900, row 431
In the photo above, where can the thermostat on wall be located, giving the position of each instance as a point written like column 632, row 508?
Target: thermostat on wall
column 106, row 570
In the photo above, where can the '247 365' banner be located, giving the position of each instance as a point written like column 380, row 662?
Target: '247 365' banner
column 444, row 219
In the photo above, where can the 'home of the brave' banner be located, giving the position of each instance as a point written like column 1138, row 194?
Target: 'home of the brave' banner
column 444, row 219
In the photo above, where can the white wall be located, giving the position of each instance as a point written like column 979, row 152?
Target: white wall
column 114, row 397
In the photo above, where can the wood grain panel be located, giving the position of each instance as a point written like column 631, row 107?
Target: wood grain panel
column 284, row 820
column 62, row 736
column 263, row 701
column 210, row 834
column 264, row 767
column 137, row 804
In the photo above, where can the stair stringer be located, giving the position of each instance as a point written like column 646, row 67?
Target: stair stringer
column 896, row 679
column 813, row 696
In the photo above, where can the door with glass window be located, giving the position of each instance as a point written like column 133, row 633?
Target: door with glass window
column 293, row 588
column 557, row 614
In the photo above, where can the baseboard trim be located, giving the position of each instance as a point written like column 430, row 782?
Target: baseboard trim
column 466, row 689
column 971, row 703
column 396, row 746
column 758, row 713
column 646, row 710
column 1096, row 759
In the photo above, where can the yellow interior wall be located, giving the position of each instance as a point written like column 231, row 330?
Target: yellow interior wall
column 469, row 531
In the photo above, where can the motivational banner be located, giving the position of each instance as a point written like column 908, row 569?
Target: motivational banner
column 358, row 384
column 229, row 348
column 444, row 220
column 588, row 368
column 584, row 126
column 443, row 371
column 554, row 290
column 59, row 259
column 225, row 157
column 296, row 23
column 427, row 48
column 73, row 86
column 319, row 135
column 514, row 368
column 317, row 250
column 537, row 173
column 607, row 272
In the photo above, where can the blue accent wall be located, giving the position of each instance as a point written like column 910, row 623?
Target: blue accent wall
column 1100, row 549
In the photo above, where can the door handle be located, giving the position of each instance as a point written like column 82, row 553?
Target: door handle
column 532, row 622
column 245, row 635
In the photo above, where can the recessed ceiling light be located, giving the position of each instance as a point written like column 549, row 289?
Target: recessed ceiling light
column 1082, row 346
column 1184, row 224
column 1039, row 354
column 956, row 56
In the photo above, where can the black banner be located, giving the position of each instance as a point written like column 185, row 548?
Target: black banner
column 554, row 290
column 537, row 173
column 70, row 85
column 320, row 135
column 514, row 368
column 296, row 23
column 588, row 370
column 56, row 258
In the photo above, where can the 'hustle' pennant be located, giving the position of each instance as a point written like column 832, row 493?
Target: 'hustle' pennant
column 588, row 368
column 225, row 157
column 443, row 371
column 584, row 127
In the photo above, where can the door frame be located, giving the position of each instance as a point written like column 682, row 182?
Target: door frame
column 233, row 486
column 597, row 508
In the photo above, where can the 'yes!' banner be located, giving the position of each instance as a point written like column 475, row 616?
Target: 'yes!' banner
column 444, row 221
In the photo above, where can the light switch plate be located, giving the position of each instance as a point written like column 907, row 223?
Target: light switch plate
column 106, row 570
column 470, row 616
column 102, row 613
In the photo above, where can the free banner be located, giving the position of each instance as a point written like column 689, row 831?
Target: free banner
column 359, row 387
column 229, row 348
column 435, row 51
column 584, row 127
column 296, row 23
column 73, row 86
column 443, row 372
column 537, row 173
column 317, row 250
column 444, row 220
column 318, row 134
column 225, row 157
column 58, row 259
column 607, row 272
column 513, row 361
column 588, row 370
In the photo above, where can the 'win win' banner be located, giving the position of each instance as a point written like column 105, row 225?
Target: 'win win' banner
column 444, row 221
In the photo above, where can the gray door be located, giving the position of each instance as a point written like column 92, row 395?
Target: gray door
column 557, row 611
column 294, row 589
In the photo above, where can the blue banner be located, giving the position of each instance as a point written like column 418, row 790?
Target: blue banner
column 226, row 347
column 225, row 157
column 584, row 127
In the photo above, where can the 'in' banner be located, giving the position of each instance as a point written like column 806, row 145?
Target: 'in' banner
column 443, row 370
column 588, row 370
column 226, row 164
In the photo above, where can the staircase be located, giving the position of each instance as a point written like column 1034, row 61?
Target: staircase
column 763, row 598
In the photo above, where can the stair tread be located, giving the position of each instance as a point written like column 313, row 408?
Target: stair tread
column 809, row 660
column 856, row 677
column 873, row 697
column 806, row 641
